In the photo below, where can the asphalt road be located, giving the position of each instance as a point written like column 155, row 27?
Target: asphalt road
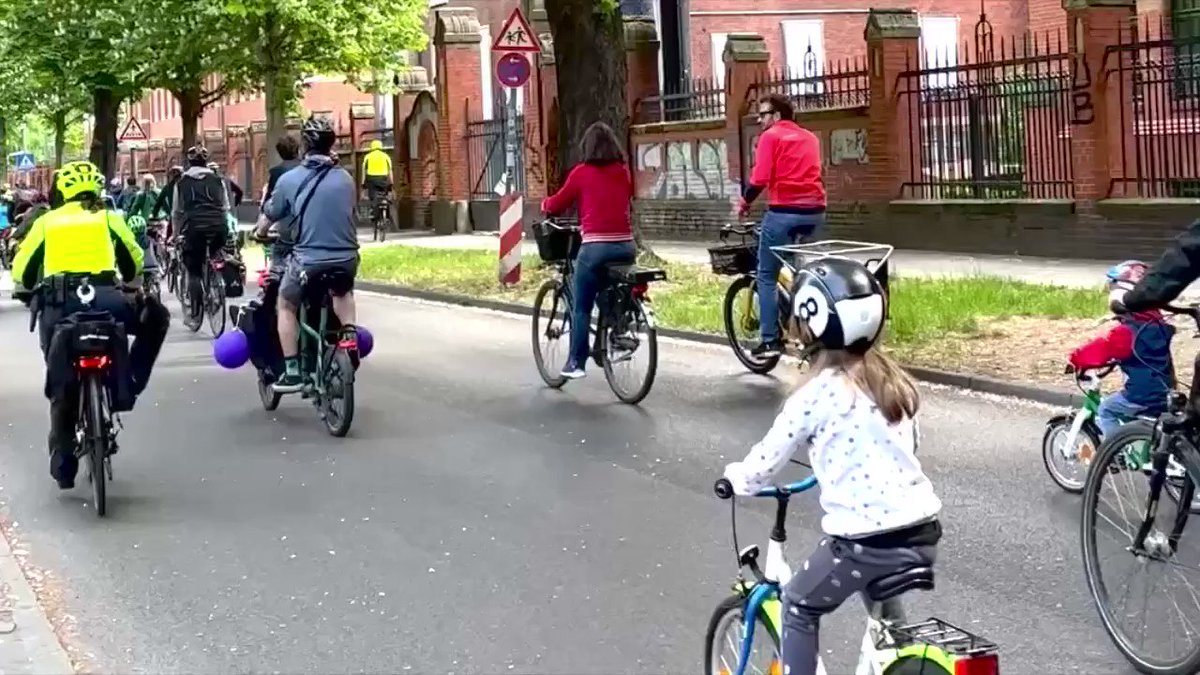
column 476, row 522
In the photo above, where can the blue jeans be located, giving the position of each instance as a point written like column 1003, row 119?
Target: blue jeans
column 778, row 229
column 1114, row 411
column 586, row 280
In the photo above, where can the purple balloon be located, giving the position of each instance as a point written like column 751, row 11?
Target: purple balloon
column 366, row 342
column 231, row 350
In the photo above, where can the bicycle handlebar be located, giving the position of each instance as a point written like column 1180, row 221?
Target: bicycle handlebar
column 554, row 224
column 724, row 489
column 744, row 230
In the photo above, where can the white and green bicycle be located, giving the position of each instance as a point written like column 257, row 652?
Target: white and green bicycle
column 743, row 634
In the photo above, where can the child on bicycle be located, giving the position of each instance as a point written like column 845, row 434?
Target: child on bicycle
column 1141, row 344
column 854, row 414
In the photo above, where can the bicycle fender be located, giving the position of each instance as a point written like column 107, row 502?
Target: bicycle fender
column 928, row 654
column 651, row 321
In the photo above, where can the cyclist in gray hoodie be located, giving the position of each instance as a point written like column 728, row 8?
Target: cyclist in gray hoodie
column 313, row 204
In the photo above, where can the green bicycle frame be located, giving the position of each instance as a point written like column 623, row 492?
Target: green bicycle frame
column 311, row 361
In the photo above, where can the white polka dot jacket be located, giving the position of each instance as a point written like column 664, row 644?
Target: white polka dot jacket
column 867, row 469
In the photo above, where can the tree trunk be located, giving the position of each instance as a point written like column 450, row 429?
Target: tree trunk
column 105, row 109
column 589, row 56
column 4, row 144
column 190, row 110
column 279, row 86
column 60, row 136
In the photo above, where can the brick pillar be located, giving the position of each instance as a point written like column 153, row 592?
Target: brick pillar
column 1095, row 114
column 406, row 175
column 746, row 62
column 893, row 46
column 459, row 97
column 641, row 60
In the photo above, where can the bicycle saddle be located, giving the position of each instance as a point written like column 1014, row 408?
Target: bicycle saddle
column 892, row 585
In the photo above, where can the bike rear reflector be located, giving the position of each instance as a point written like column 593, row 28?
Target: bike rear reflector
column 92, row 362
column 348, row 343
column 984, row 664
column 640, row 290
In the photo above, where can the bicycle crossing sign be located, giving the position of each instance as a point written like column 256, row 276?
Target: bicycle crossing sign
column 133, row 131
column 516, row 35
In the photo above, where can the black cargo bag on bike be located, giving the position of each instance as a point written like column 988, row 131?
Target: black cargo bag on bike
column 234, row 276
column 257, row 321
column 86, row 334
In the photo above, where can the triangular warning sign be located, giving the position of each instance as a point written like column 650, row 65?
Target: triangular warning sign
column 133, row 131
column 516, row 35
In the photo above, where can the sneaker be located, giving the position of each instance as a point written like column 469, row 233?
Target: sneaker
column 63, row 467
column 192, row 322
column 288, row 383
column 766, row 350
column 574, row 373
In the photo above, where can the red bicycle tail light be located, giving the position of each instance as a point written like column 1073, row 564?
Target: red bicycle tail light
column 92, row 362
column 984, row 664
column 348, row 343
column 640, row 291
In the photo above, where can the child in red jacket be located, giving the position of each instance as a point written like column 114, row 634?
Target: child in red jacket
column 1141, row 345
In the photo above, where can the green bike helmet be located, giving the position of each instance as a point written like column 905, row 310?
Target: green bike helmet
column 137, row 224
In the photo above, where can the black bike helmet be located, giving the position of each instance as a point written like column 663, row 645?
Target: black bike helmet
column 841, row 302
column 197, row 155
column 318, row 135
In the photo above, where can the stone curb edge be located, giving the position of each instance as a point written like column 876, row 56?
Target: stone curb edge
column 931, row 375
column 34, row 634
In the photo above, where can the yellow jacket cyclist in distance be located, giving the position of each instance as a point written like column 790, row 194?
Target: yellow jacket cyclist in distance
column 74, row 240
column 377, row 163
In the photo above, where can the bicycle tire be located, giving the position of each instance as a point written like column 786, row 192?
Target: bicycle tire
column 216, row 310
column 552, row 380
column 267, row 394
column 651, row 343
column 1116, row 441
column 96, row 436
column 732, row 604
column 1062, row 423
column 755, row 365
column 345, row 367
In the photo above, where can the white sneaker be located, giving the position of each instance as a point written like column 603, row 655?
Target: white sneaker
column 574, row 374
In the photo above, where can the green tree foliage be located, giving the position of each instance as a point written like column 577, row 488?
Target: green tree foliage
column 292, row 39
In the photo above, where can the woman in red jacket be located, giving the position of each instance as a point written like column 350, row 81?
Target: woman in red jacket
column 600, row 188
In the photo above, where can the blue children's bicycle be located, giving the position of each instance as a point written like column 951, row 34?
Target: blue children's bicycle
column 890, row 645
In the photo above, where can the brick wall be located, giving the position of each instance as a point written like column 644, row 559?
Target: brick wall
column 843, row 23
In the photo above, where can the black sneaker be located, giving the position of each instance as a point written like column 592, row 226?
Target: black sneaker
column 288, row 383
column 766, row 350
column 63, row 467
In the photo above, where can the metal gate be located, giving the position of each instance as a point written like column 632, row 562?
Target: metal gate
column 489, row 143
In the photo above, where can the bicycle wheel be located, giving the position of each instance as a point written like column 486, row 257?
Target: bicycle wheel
column 723, row 641
column 267, row 394
column 1068, row 467
column 552, row 322
column 214, row 303
column 1121, row 459
column 742, row 326
column 337, row 403
column 624, row 340
column 95, row 436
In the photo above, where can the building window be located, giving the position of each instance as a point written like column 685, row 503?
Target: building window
column 1185, row 31
column 718, row 40
column 939, row 45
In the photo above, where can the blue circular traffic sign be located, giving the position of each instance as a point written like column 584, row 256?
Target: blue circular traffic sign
column 513, row 70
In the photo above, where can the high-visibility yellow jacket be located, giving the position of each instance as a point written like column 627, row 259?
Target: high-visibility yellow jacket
column 73, row 239
column 377, row 164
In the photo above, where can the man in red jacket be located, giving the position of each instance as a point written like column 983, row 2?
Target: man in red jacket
column 787, row 165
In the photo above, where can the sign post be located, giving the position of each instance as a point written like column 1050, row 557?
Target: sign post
column 515, row 40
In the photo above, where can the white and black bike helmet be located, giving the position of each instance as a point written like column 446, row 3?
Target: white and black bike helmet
column 841, row 302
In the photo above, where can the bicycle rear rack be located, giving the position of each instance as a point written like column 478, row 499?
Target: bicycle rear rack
column 875, row 257
column 946, row 636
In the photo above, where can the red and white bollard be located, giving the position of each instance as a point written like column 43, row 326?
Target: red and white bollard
column 511, row 234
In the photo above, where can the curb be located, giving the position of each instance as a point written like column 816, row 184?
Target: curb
column 37, row 646
column 977, row 383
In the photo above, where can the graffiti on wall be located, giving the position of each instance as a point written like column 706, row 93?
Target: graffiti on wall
column 690, row 169
column 848, row 146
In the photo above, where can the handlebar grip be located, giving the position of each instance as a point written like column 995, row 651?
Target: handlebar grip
column 723, row 488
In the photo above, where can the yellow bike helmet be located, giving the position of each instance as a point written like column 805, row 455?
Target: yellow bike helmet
column 376, row 144
column 76, row 178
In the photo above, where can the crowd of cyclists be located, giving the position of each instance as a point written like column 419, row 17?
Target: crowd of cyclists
column 853, row 414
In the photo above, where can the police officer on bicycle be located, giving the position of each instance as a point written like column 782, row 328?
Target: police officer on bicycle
column 377, row 173
column 77, row 245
